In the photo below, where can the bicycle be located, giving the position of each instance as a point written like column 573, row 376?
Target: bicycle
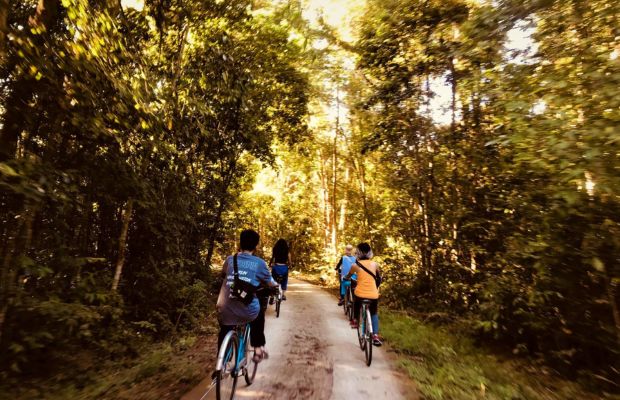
column 364, row 331
column 349, row 299
column 278, row 295
column 234, row 359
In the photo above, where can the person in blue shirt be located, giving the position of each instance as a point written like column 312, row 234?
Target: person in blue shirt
column 232, row 311
column 342, row 268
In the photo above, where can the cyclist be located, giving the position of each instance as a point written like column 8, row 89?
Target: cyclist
column 367, row 288
column 342, row 269
column 233, row 311
column 280, row 262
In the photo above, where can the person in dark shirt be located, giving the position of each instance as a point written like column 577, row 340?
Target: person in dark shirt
column 280, row 264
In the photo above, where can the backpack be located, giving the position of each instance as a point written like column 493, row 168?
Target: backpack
column 240, row 289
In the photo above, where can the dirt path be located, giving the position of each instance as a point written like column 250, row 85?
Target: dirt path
column 314, row 355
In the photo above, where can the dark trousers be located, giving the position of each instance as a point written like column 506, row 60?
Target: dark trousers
column 257, row 327
column 257, row 332
column 373, row 306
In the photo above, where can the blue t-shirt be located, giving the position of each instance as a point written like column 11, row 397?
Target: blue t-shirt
column 347, row 262
column 251, row 269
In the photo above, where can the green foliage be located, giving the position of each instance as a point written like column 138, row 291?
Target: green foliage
column 447, row 365
column 506, row 212
column 127, row 137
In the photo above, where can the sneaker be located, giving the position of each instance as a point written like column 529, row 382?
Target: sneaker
column 376, row 341
column 283, row 297
column 340, row 302
column 353, row 324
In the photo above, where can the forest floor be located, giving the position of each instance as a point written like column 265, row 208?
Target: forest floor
column 164, row 371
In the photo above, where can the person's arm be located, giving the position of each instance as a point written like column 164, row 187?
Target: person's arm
column 339, row 265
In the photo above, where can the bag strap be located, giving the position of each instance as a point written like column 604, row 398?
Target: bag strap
column 235, row 268
column 359, row 264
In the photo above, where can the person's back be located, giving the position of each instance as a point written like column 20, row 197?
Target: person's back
column 366, row 285
column 253, row 270
column 347, row 262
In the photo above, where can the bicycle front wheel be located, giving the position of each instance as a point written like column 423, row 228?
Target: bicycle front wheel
column 249, row 370
column 368, row 338
column 226, row 377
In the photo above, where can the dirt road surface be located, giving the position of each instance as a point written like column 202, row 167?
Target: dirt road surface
column 314, row 354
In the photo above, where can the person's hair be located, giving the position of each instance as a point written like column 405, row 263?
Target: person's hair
column 348, row 247
column 364, row 252
column 280, row 252
column 248, row 240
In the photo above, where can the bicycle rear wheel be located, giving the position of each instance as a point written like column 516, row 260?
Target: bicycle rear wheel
column 226, row 378
column 360, row 329
column 278, row 305
column 368, row 337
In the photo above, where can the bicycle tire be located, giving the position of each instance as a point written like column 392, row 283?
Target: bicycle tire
column 368, row 338
column 351, row 307
column 360, row 327
column 278, row 305
column 249, row 372
column 222, row 384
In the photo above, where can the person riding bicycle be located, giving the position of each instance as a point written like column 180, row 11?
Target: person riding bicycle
column 232, row 311
column 367, row 288
column 342, row 269
column 280, row 263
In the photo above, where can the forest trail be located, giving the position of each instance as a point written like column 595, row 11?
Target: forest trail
column 314, row 355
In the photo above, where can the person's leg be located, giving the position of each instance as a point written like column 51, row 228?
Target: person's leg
column 357, row 304
column 285, row 284
column 374, row 315
column 224, row 329
column 257, row 327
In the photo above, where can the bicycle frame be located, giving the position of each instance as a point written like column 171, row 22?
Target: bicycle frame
column 241, row 333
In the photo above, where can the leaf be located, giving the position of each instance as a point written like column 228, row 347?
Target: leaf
column 6, row 170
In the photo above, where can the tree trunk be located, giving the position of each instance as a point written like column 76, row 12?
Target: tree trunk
column 4, row 29
column 334, row 222
column 122, row 244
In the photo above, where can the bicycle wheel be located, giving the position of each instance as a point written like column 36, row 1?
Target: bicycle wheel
column 278, row 305
column 351, row 304
column 368, row 337
column 249, row 372
column 360, row 329
column 226, row 378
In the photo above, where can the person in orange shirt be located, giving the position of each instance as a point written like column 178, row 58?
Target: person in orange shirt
column 368, row 280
